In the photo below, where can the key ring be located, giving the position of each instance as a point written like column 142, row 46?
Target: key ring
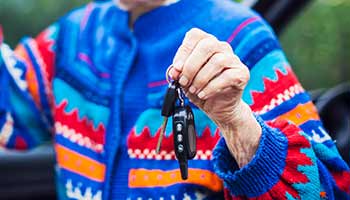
column 167, row 76
column 181, row 98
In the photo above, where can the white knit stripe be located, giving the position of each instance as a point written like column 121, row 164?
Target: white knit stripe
column 282, row 97
column 6, row 130
column 77, row 138
column 10, row 63
column 164, row 155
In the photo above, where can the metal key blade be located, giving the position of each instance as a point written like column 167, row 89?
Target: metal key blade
column 167, row 110
column 161, row 134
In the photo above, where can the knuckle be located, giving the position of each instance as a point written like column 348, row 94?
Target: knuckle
column 186, row 48
column 194, row 32
column 225, row 45
column 243, row 78
column 229, row 75
column 208, row 45
column 246, row 74
column 236, row 59
column 219, row 59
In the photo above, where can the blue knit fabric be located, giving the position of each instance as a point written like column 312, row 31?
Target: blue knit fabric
column 99, row 86
column 263, row 170
column 156, row 52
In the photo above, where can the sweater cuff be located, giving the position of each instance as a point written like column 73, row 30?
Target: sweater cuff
column 261, row 173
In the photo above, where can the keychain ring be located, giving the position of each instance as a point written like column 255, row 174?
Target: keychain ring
column 167, row 76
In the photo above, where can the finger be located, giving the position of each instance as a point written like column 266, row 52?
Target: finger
column 190, row 41
column 211, row 69
column 235, row 78
column 206, row 48
column 174, row 74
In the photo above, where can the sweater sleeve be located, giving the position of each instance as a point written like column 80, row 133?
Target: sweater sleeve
column 26, row 100
column 296, row 158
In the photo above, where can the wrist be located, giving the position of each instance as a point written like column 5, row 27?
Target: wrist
column 242, row 133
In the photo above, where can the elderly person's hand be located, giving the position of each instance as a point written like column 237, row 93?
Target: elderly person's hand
column 214, row 78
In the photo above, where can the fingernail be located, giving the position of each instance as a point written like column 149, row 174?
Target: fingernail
column 201, row 95
column 178, row 65
column 193, row 89
column 183, row 81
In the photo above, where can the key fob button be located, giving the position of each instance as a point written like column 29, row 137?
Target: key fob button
column 179, row 138
column 180, row 148
column 178, row 127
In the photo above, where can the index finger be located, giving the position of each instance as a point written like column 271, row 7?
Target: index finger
column 190, row 41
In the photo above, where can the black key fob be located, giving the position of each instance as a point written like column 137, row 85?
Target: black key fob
column 184, row 137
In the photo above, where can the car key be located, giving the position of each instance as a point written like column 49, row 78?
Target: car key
column 184, row 135
column 167, row 109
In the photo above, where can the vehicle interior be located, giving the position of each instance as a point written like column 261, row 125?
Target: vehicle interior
column 30, row 175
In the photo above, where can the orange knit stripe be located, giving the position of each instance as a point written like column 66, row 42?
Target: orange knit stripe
column 30, row 74
column 80, row 164
column 301, row 114
column 159, row 178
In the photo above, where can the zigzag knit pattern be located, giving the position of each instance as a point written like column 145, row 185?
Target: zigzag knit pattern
column 97, row 88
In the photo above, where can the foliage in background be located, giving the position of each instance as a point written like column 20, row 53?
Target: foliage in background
column 21, row 18
column 316, row 43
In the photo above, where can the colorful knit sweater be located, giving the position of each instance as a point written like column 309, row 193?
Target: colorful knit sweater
column 96, row 87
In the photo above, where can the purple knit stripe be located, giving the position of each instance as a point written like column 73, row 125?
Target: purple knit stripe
column 240, row 27
column 84, row 57
column 157, row 83
column 86, row 16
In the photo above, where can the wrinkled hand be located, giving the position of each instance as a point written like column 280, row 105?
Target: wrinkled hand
column 214, row 78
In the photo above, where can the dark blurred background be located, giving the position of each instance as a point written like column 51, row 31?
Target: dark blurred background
column 317, row 42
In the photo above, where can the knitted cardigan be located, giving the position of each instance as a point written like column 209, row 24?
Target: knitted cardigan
column 69, row 83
